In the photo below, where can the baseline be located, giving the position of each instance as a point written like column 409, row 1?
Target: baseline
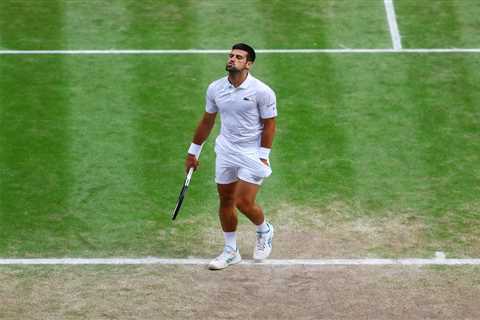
column 270, row 262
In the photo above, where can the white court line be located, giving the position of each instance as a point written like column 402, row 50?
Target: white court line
column 218, row 51
column 270, row 262
column 392, row 24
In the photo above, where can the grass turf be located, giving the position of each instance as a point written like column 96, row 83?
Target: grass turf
column 93, row 164
column 30, row 24
column 438, row 24
column 92, row 147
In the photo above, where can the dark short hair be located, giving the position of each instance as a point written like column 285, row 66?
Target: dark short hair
column 247, row 48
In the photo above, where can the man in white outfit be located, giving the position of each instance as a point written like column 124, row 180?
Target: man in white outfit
column 247, row 110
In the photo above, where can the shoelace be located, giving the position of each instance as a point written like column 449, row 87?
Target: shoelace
column 261, row 241
column 226, row 255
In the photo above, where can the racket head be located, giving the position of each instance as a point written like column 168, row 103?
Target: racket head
column 182, row 194
column 179, row 202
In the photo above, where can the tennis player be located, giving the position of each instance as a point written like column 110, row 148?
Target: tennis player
column 247, row 110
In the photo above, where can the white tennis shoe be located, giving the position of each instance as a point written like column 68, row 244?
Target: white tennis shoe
column 263, row 245
column 228, row 257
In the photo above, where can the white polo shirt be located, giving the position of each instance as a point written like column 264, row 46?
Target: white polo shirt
column 241, row 109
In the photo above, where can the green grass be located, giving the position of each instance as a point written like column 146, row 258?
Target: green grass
column 105, row 162
column 439, row 24
column 92, row 147
column 154, row 24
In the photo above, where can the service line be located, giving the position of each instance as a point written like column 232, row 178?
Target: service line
column 221, row 51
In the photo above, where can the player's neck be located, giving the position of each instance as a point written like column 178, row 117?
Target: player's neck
column 237, row 78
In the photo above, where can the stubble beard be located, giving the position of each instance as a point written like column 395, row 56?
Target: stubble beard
column 231, row 69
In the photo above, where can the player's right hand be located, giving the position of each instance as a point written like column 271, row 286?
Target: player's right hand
column 190, row 162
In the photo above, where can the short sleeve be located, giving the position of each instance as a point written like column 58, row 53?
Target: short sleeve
column 267, row 103
column 210, row 105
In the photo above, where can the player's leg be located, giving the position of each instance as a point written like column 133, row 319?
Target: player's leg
column 251, row 174
column 226, row 178
column 227, row 211
column 245, row 199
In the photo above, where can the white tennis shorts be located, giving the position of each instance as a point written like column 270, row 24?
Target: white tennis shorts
column 232, row 165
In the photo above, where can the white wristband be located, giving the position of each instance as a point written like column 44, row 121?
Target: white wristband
column 195, row 149
column 263, row 153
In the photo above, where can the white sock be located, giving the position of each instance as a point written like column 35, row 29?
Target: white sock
column 263, row 227
column 230, row 239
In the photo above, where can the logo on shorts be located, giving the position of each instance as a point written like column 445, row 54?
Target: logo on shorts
column 256, row 178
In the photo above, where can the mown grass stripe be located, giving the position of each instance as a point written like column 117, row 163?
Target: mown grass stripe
column 455, row 25
column 34, row 149
column 105, row 195
column 448, row 133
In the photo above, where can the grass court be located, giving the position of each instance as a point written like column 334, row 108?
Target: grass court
column 377, row 155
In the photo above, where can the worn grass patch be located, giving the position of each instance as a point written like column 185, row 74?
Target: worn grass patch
column 172, row 292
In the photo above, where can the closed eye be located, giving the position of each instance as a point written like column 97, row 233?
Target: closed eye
column 239, row 57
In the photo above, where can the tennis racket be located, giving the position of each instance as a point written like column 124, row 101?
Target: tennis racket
column 182, row 194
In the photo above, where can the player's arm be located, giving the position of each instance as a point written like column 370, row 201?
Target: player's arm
column 204, row 128
column 266, row 143
column 201, row 134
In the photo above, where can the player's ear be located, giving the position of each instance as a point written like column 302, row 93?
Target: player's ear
column 249, row 65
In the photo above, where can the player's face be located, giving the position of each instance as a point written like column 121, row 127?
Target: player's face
column 237, row 61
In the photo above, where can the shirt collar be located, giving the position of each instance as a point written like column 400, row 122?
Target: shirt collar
column 245, row 84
